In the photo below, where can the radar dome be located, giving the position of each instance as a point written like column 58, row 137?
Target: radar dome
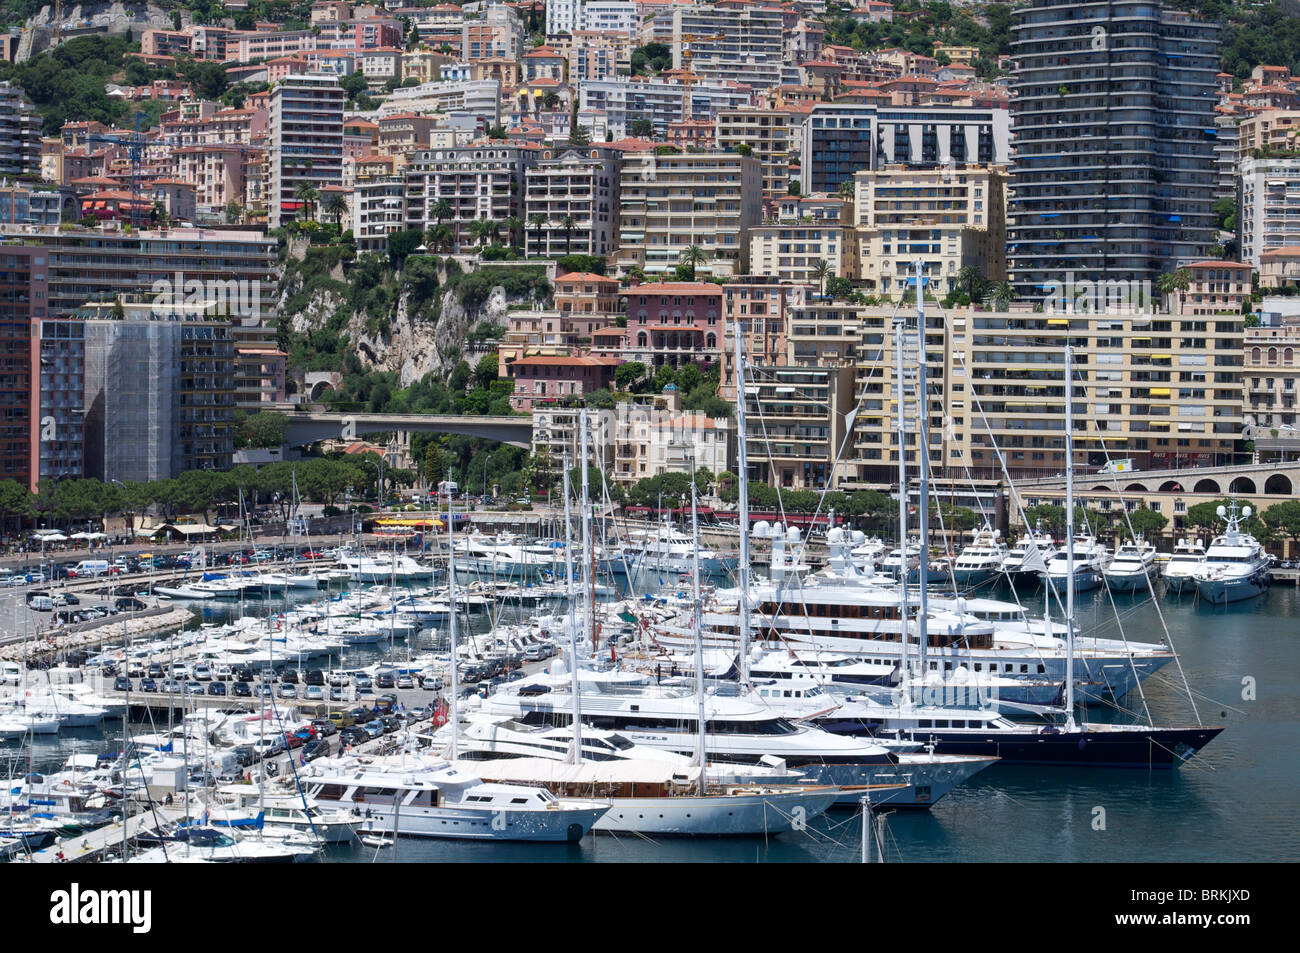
column 1222, row 510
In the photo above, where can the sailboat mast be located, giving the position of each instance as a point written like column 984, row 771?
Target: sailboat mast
column 902, row 492
column 451, row 628
column 573, row 620
column 697, row 614
column 588, row 617
column 1069, row 536
column 923, row 462
column 742, row 479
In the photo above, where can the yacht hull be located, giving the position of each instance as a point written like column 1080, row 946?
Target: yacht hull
column 1090, row 746
column 1221, row 591
column 736, row 815
column 565, row 825
column 926, row 778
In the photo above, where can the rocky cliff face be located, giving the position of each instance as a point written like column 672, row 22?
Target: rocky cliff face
column 94, row 16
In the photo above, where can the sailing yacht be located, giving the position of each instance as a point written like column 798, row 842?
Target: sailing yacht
column 1133, row 567
column 1026, row 559
column 982, row 559
column 1186, row 559
column 1235, row 565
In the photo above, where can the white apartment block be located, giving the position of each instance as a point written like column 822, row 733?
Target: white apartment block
column 378, row 209
column 1270, row 206
column 669, row 203
column 610, row 16
column 660, row 101
column 581, row 186
column 480, row 97
column 563, row 16
column 790, row 251
column 483, row 180
column 306, row 141
column 726, row 44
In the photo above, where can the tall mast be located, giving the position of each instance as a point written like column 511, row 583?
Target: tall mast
column 1069, row 537
column 742, row 463
column 576, row 755
column 451, row 629
column 902, row 492
column 923, row 462
column 588, row 617
column 696, row 621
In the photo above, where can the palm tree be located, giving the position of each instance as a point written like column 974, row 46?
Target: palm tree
column 441, row 209
column 568, row 223
column 493, row 230
column 1174, row 281
column 1005, row 293
column 694, row 256
column 306, row 193
column 821, row 270
column 512, row 224
column 970, row 280
column 440, row 236
column 336, row 206
column 538, row 221
column 478, row 230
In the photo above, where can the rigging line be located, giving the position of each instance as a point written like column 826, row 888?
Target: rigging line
column 1110, row 595
column 1015, row 495
column 1178, row 662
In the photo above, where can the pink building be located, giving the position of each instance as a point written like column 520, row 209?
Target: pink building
column 674, row 322
column 540, row 380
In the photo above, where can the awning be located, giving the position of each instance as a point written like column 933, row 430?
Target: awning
column 1057, row 322
column 1162, row 357
column 1160, row 392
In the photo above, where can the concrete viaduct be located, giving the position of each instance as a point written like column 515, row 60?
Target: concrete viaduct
column 1259, row 479
column 305, row 428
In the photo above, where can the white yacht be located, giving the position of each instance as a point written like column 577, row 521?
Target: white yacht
column 1186, row 559
column 892, row 564
column 507, row 556
column 428, row 797
column 243, row 805
column 737, row 731
column 651, row 790
column 667, row 551
column 382, row 568
column 1235, row 566
column 1133, row 567
column 982, row 559
column 1027, row 558
column 1090, row 562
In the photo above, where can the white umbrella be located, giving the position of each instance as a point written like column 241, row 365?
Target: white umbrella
column 53, row 538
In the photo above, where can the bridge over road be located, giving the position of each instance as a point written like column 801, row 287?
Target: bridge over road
column 307, row 427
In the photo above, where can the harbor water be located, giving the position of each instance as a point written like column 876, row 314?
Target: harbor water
column 1232, row 802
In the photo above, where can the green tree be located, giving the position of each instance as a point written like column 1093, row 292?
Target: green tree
column 821, row 270
column 625, row 375
column 1146, row 522
column 15, row 500
column 642, row 129
column 580, row 136
column 263, row 430
column 486, row 371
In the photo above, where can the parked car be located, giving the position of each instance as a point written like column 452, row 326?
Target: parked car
column 385, row 680
column 405, row 681
column 121, row 684
column 289, row 676
column 337, row 694
column 324, row 727
column 343, row 719
column 313, row 676
column 313, row 693
column 319, row 748
column 241, row 690
column 287, row 691
column 128, row 604
column 217, row 688
column 148, row 685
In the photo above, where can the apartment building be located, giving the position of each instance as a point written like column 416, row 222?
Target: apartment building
column 497, row 34
column 1217, row 287
column 542, row 380
column 159, row 390
column 724, row 43
column 759, row 305
column 377, row 209
column 24, row 294
column 1270, row 130
column 306, row 141
column 20, row 133
column 661, row 101
column 791, row 251
column 840, row 140
column 674, row 202
column 584, row 304
column 1270, row 374
column 598, row 55
column 483, row 180
column 951, row 218
column 774, row 135
column 1112, row 180
column 477, row 97
column 675, row 323
column 1269, row 216
column 795, row 424
column 577, row 193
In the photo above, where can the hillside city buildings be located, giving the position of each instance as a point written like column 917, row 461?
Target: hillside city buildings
column 749, row 175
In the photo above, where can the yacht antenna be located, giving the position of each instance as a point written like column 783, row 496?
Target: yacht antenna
column 1069, row 538
column 742, row 479
column 696, row 617
column 451, row 629
column 573, row 620
column 923, row 465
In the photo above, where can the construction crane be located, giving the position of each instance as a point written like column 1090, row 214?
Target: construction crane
column 135, row 145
